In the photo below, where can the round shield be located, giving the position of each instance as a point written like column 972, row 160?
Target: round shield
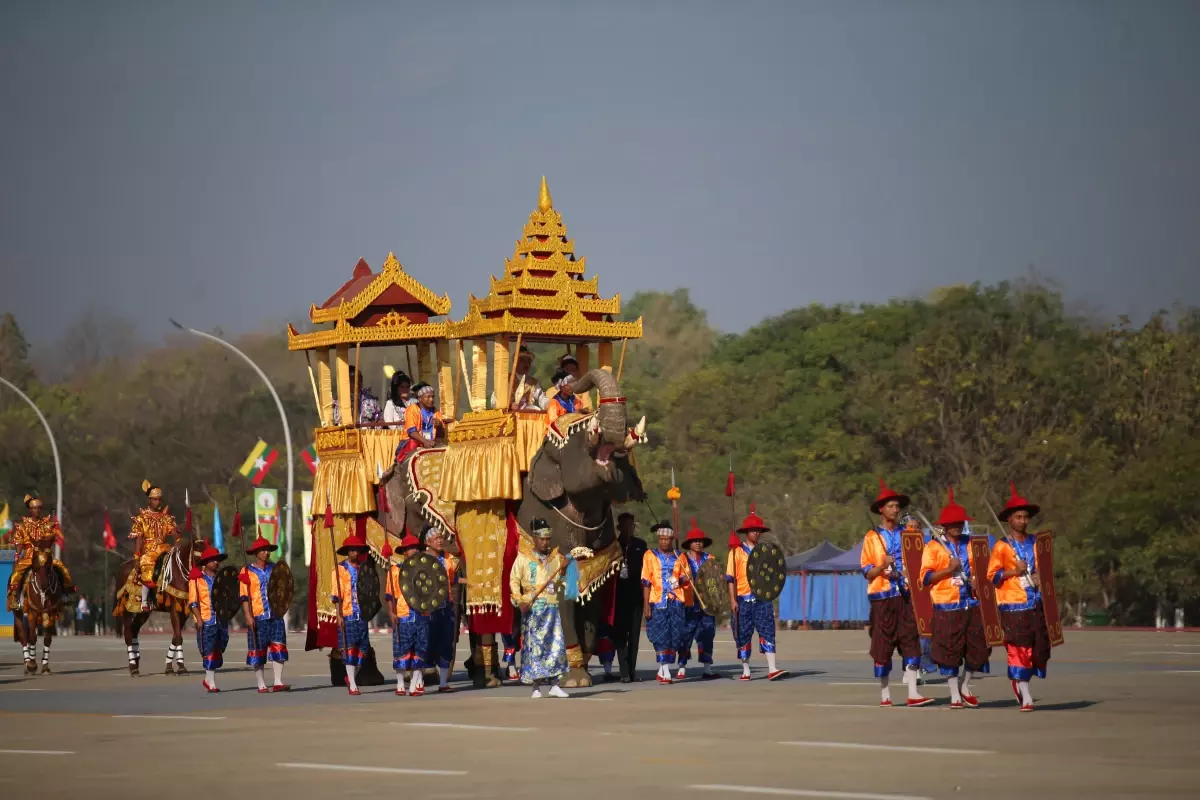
column 712, row 589
column 423, row 583
column 226, row 593
column 280, row 588
column 369, row 603
column 766, row 571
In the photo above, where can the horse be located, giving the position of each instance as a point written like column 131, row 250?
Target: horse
column 40, row 606
column 170, row 596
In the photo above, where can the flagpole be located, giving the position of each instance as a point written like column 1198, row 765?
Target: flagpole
column 287, row 433
column 54, row 450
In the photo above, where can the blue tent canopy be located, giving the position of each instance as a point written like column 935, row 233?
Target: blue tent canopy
column 827, row 590
column 825, row 550
column 847, row 561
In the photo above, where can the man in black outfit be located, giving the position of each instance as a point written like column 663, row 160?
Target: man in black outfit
column 627, row 620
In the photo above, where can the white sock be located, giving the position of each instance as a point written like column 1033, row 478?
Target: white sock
column 682, row 671
column 885, row 693
column 444, row 676
column 910, row 680
column 770, row 662
column 260, row 677
column 955, row 696
column 277, row 669
column 417, row 682
column 1026, row 695
column 746, row 668
column 210, row 675
column 350, row 676
column 966, row 682
column 399, row 681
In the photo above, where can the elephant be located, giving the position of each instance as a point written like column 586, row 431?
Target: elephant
column 573, row 480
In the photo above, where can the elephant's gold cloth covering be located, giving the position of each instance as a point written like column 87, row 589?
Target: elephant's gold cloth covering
column 482, row 534
column 486, row 469
column 531, row 432
column 425, row 478
column 593, row 572
column 379, row 449
column 345, row 482
column 343, row 526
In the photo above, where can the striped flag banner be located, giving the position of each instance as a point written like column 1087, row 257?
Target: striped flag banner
column 259, row 462
column 310, row 458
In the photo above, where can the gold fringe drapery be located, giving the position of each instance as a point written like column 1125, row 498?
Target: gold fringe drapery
column 481, row 470
column 345, row 482
column 482, row 534
column 531, row 432
column 379, row 449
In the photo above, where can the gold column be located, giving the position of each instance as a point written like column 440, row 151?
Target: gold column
column 325, row 388
column 445, row 380
column 500, row 371
column 424, row 363
column 606, row 356
column 479, row 374
column 341, row 368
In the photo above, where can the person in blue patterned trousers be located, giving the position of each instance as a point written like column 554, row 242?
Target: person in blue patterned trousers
column 266, row 633
column 355, row 632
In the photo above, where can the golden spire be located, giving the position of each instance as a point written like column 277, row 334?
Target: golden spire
column 544, row 201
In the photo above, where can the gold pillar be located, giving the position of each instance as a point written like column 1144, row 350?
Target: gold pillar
column 425, row 364
column 479, row 374
column 500, row 371
column 445, row 380
column 606, row 356
column 341, row 368
column 325, row 388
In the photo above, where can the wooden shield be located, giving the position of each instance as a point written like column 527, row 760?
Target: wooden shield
column 369, row 603
column 985, row 590
column 1043, row 548
column 712, row 588
column 423, row 583
column 766, row 572
column 280, row 588
column 226, row 592
column 912, row 545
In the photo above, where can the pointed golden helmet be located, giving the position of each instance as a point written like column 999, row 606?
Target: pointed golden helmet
column 146, row 484
column 544, row 201
column 32, row 500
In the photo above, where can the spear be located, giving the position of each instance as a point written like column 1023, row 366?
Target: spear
column 336, row 577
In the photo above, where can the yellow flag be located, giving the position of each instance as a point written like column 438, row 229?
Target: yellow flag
column 5, row 522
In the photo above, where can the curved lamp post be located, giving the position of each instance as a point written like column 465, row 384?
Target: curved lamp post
column 53, row 448
column 287, row 434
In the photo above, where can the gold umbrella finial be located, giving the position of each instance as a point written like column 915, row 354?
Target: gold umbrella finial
column 544, row 201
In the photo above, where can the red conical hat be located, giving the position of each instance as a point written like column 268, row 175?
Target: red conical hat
column 211, row 554
column 696, row 535
column 260, row 544
column 352, row 541
column 753, row 522
column 952, row 512
column 1017, row 503
column 886, row 494
column 409, row 541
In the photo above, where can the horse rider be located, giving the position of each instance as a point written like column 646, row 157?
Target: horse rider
column 27, row 533
column 151, row 527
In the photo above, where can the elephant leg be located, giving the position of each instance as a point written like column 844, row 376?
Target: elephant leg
column 577, row 675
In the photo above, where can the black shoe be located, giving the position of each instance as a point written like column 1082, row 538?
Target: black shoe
column 626, row 679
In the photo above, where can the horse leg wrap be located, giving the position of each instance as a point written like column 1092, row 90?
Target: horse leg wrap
column 137, row 648
column 45, row 654
column 171, row 653
column 132, row 653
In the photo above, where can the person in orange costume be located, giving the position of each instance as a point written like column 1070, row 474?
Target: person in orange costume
column 212, row 635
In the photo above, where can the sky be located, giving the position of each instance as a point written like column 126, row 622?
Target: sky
column 227, row 163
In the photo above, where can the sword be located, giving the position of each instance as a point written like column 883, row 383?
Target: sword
column 941, row 537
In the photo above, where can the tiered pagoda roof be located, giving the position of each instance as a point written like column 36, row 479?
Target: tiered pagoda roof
column 542, row 294
column 375, row 309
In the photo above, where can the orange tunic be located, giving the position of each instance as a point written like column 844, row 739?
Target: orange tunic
column 1016, row 593
column 392, row 591
column 950, row 593
column 661, row 572
column 200, row 596
column 878, row 544
column 735, row 569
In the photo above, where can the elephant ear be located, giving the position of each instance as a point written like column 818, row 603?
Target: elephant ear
column 545, row 477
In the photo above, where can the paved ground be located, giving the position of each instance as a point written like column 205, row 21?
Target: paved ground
column 1118, row 718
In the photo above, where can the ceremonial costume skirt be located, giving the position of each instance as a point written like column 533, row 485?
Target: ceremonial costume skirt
column 543, row 649
column 440, row 651
column 702, row 629
column 211, row 640
column 894, row 628
column 410, row 642
column 1027, row 642
column 665, row 631
column 958, row 639
column 358, row 641
column 271, row 635
column 754, row 617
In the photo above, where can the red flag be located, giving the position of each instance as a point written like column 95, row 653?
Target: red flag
column 730, row 488
column 110, row 540
column 236, row 531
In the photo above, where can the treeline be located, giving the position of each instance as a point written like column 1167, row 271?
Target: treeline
column 974, row 386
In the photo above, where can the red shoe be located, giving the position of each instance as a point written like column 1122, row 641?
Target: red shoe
column 264, row 690
column 1016, row 691
column 956, row 705
column 208, row 688
column 420, row 690
column 777, row 674
column 743, row 677
column 281, row 687
column 970, row 701
column 1027, row 707
column 924, row 701
column 664, row 681
column 445, row 689
column 401, row 693
column 885, row 703
column 355, row 692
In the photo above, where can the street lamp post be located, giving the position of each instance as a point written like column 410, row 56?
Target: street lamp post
column 287, row 434
column 53, row 449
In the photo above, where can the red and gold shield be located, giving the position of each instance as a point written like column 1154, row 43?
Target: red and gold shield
column 1043, row 546
column 985, row 591
column 913, row 543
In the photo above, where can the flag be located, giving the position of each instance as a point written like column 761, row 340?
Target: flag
column 266, row 516
column 218, row 540
column 6, row 525
column 258, row 463
column 310, row 458
column 110, row 539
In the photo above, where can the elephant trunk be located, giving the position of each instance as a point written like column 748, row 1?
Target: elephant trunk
column 611, row 412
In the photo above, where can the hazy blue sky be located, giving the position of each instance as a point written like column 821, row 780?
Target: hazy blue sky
column 227, row 162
